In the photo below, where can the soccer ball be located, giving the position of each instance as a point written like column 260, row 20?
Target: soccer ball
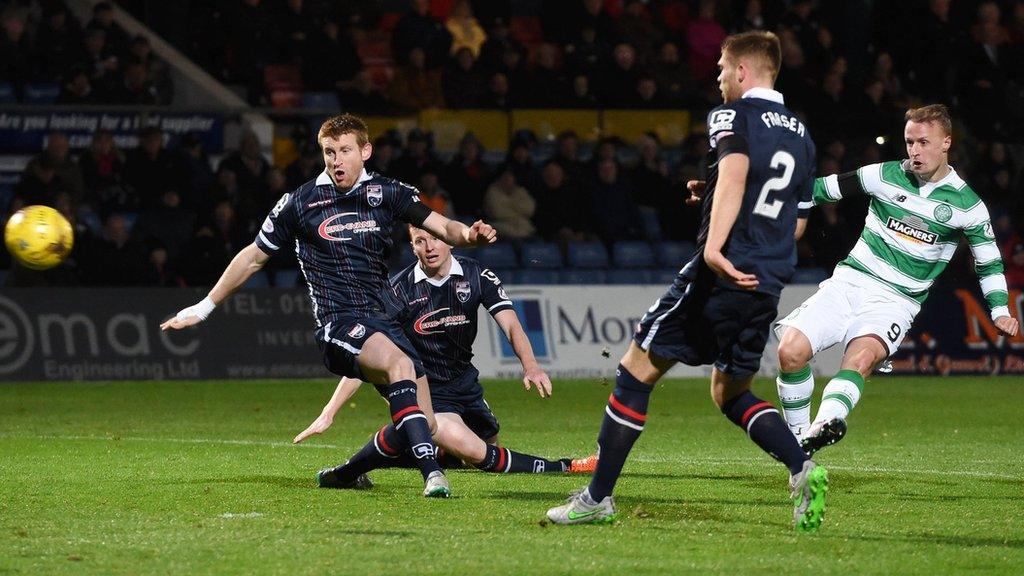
column 38, row 237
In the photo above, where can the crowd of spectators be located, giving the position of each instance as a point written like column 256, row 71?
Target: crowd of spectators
column 43, row 45
column 166, row 217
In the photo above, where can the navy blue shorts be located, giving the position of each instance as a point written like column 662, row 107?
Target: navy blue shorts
column 699, row 326
column 465, row 396
column 342, row 341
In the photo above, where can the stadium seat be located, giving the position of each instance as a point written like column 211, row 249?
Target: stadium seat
column 674, row 254
column 41, row 93
column 500, row 255
column 632, row 255
column 630, row 276
column 286, row 278
column 588, row 255
column 809, row 276
column 664, row 276
column 582, row 276
column 285, row 98
column 7, row 95
column 257, row 280
column 541, row 255
column 321, row 100
column 652, row 225
column 279, row 76
column 507, row 275
column 538, row 276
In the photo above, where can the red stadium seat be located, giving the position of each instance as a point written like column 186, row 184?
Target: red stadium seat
column 526, row 29
column 285, row 98
column 282, row 76
column 376, row 53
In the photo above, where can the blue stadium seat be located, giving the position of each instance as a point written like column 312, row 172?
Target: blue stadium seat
column 809, row 276
column 41, row 93
column 674, row 254
column 535, row 276
column 507, row 275
column 631, row 276
column 321, row 100
column 588, row 255
column 257, row 280
column 7, row 95
column 500, row 255
column 541, row 255
column 664, row 276
column 632, row 255
column 286, row 278
column 582, row 276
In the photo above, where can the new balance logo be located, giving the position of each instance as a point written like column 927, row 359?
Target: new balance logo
column 901, row 198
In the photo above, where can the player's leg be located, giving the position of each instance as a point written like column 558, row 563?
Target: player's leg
column 624, row 420
column 815, row 325
column 382, row 363
column 463, row 436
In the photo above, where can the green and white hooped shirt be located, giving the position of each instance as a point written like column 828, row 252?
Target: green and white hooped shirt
column 912, row 230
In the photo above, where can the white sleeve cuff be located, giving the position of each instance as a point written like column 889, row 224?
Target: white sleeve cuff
column 1000, row 311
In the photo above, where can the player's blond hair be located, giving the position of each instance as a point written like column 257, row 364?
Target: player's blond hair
column 937, row 113
column 335, row 126
column 757, row 44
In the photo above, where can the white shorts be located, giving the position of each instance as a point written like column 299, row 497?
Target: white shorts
column 849, row 305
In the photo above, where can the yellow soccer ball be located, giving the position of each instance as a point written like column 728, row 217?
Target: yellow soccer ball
column 38, row 237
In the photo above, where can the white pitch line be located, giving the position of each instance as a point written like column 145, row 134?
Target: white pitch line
column 644, row 459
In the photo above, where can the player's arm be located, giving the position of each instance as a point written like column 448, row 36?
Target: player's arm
column 801, row 227
column 835, row 187
column 346, row 388
column 988, row 265
column 532, row 372
column 246, row 263
column 455, row 233
column 729, row 189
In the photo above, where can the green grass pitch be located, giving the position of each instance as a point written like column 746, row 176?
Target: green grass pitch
column 200, row 478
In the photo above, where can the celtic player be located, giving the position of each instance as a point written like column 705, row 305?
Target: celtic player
column 920, row 208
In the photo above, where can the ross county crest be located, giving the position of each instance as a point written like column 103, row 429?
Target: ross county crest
column 374, row 194
column 462, row 290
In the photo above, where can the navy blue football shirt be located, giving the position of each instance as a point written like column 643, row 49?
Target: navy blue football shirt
column 778, row 188
column 342, row 240
column 440, row 315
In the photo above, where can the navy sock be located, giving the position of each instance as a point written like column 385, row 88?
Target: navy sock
column 505, row 461
column 624, row 419
column 766, row 428
column 412, row 423
column 384, row 450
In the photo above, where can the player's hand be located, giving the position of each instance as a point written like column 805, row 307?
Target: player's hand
column 190, row 316
column 696, row 189
column 482, row 233
column 726, row 271
column 536, row 377
column 319, row 426
column 1008, row 325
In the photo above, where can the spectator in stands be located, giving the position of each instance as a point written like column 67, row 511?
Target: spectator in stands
column 58, row 41
column 135, row 87
column 339, row 70
column 168, row 223
column 637, row 28
column 417, row 29
column 936, row 43
column 309, row 164
column 567, row 155
column 275, row 187
column 752, row 18
column 871, row 113
column 103, row 20
column 498, row 93
column 587, row 54
column 385, row 152
column 158, row 270
column 68, row 176
column 193, row 170
column 113, row 259
column 149, row 169
column 520, row 160
column 101, row 62
column 650, row 175
column 296, row 29
column 77, row 88
column 228, row 229
column 613, row 210
column 559, row 217
column 983, row 73
column 251, row 45
column 38, row 184
column 618, row 85
column 582, row 96
column 203, row 259
column 465, row 30
column 509, row 207
column 607, row 148
column 363, row 96
column 704, row 37
column 250, row 168
column 592, row 14
column 882, row 70
column 462, row 81
column 102, row 167
column 547, row 85
column 432, row 195
column 15, row 52
column 675, row 82
column 416, row 157
column 157, row 73
column 498, row 42
column 514, row 69
column 466, row 177
column 415, row 86
column 647, row 96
